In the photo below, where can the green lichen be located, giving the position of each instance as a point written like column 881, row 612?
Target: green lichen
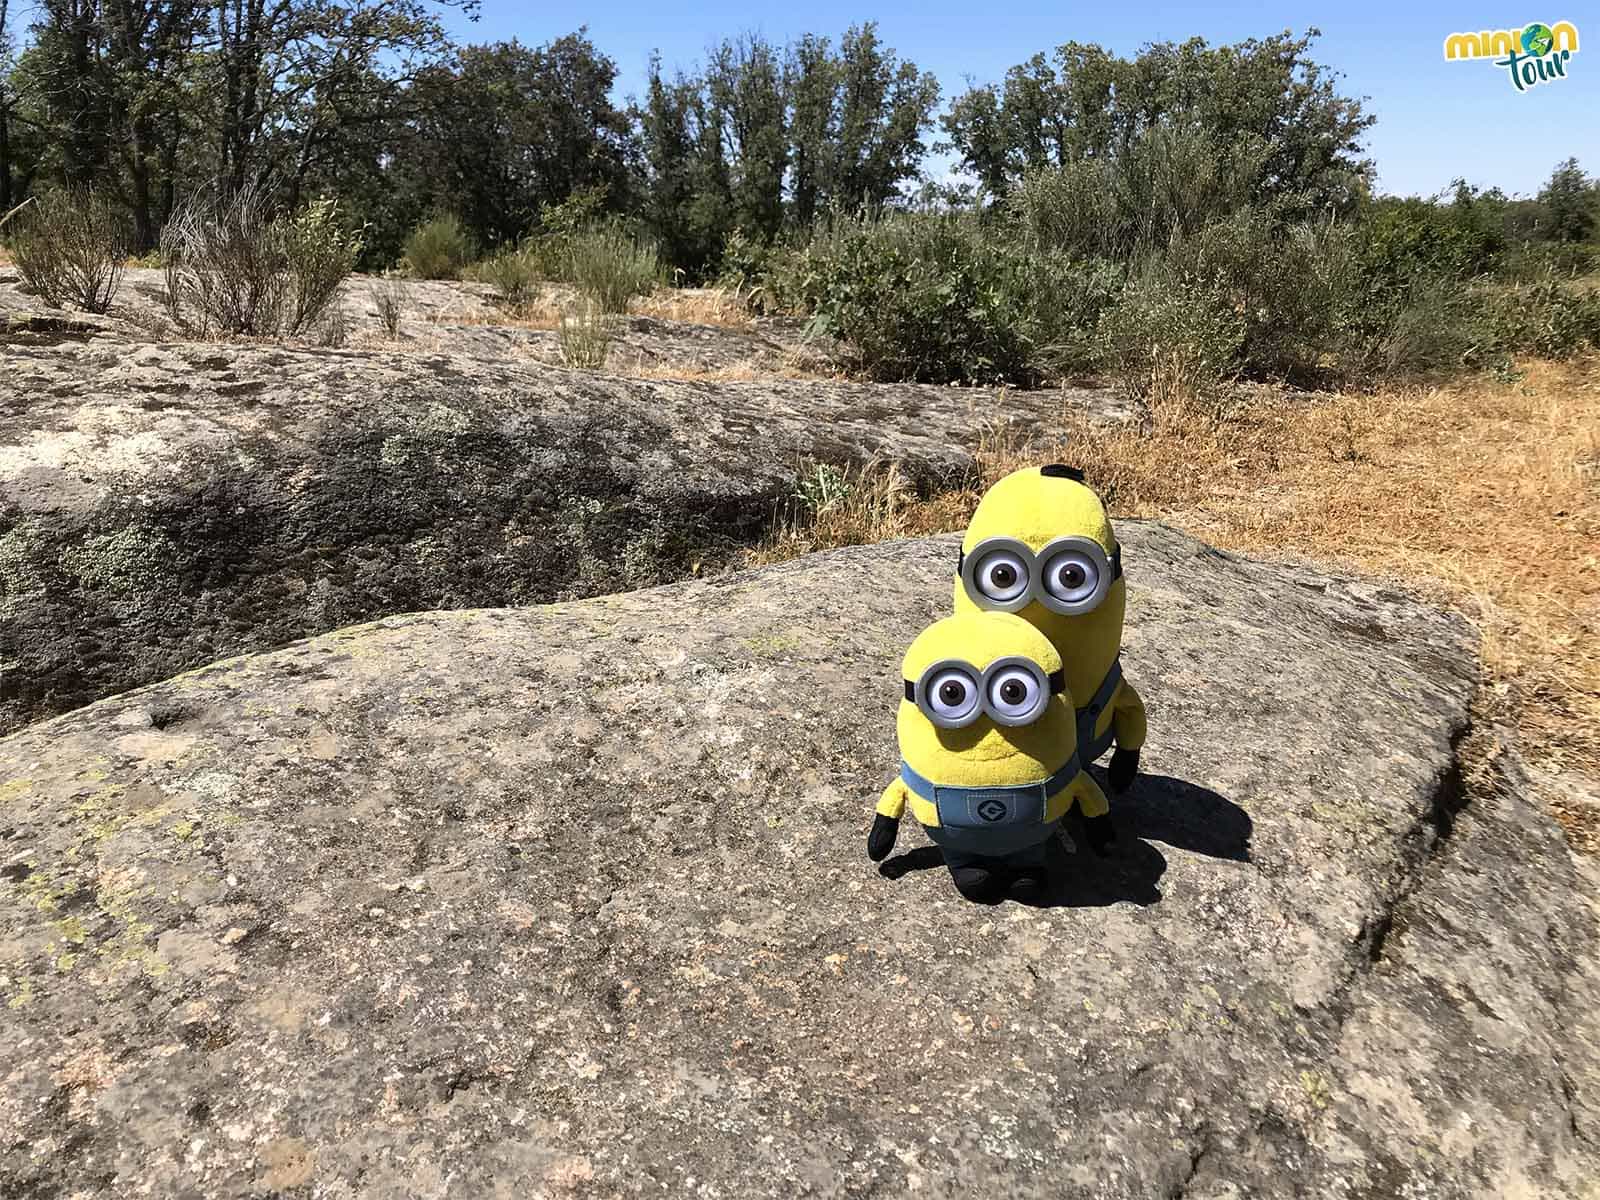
column 24, row 995
column 21, row 549
column 44, row 893
column 1316, row 1088
column 183, row 830
column 132, row 560
column 13, row 788
column 771, row 645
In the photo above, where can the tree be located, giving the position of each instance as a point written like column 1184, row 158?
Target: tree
column 1569, row 199
column 505, row 130
column 762, row 141
column 1261, row 104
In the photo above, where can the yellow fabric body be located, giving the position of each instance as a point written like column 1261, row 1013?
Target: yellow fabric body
column 986, row 754
column 1036, row 509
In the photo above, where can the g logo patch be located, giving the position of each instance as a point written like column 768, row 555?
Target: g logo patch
column 992, row 810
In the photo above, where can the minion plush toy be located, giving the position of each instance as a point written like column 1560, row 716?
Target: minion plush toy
column 1040, row 545
column 988, row 749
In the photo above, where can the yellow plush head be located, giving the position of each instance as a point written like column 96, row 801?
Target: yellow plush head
column 995, row 673
column 1038, row 507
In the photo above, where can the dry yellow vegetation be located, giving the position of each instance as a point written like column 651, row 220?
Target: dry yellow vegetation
column 1482, row 493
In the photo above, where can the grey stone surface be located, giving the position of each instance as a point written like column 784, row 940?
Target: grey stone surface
column 572, row 901
column 166, row 504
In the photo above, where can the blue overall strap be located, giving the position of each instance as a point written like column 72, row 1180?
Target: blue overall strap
column 1089, row 715
column 924, row 787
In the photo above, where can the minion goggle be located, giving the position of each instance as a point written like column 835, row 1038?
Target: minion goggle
column 1009, row 691
column 1069, row 575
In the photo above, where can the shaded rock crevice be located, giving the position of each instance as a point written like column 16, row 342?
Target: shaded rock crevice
column 141, row 539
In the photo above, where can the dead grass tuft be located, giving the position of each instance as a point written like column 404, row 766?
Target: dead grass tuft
column 697, row 306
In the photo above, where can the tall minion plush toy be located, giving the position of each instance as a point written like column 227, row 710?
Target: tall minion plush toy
column 1040, row 545
column 988, row 749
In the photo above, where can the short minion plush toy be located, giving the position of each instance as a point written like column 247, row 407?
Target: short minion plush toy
column 989, row 759
column 1040, row 545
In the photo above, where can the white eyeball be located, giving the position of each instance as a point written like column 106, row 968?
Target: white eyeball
column 1071, row 576
column 1015, row 695
column 1001, row 576
column 952, row 695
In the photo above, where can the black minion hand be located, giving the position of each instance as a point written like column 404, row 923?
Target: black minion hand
column 881, row 840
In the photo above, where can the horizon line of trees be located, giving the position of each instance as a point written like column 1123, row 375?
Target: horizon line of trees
column 369, row 101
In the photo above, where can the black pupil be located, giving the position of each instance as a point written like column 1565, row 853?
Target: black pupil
column 1004, row 575
column 952, row 693
column 1012, row 692
column 1072, row 575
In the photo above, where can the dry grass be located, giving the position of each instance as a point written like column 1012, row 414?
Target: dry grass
column 697, row 306
column 1482, row 494
column 544, row 313
column 751, row 370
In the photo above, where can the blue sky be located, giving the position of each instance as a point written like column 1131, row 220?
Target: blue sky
column 1436, row 119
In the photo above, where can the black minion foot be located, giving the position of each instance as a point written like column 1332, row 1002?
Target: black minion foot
column 1029, row 886
column 976, row 883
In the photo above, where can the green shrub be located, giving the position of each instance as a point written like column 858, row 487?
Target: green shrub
column 1550, row 319
column 233, row 268
column 1301, row 292
column 438, row 248
column 320, row 253
column 610, row 267
column 514, row 274
column 1410, row 237
column 69, row 246
column 922, row 297
column 1167, row 343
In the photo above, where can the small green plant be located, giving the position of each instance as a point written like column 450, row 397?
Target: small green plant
column 70, row 246
column 585, row 333
column 438, row 248
column 610, row 267
column 823, row 489
column 514, row 274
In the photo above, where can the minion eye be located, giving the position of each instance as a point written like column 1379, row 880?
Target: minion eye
column 1072, row 577
column 952, row 697
column 1016, row 696
column 1001, row 576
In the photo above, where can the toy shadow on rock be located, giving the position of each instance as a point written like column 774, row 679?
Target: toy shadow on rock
column 1157, row 808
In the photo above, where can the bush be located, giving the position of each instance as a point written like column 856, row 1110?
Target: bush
column 610, row 267
column 241, row 271
column 320, row 254
column 513, row 273
column 1302, row 293
column 70, row 246
column 1171, row 343
column 438, row 248
column 1549, row 319
column 927, row 297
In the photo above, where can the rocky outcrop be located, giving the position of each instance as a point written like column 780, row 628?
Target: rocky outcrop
column 572, row 900
column 165, row 505
column 439, row 317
